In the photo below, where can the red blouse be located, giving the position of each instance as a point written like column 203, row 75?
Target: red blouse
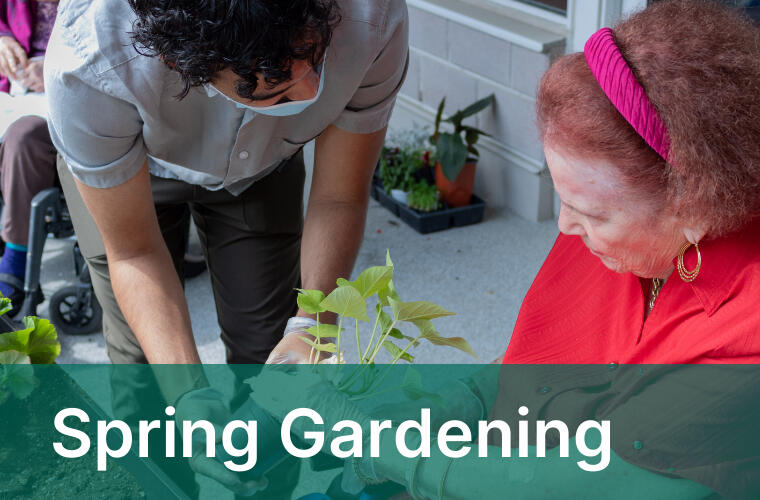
column 578, row 311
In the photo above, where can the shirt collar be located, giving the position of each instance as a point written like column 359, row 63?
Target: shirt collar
column 724, row 260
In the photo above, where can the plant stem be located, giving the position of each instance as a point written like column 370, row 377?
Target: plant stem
column 372, row 338
column 311, row 353
column 376, row 383
column 372, row 395
column 381, row 340
column 358, row 344
column 350, row 379
column 340, row 331
column 398, row 356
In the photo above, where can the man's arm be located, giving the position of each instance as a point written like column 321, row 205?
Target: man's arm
column 144, row 281
column 343, row 166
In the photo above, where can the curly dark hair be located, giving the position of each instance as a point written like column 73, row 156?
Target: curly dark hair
column 198, row 39
column 699, row 63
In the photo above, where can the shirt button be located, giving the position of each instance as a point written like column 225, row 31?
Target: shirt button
column 638, row 445
column 613, row 366
column 545, row 390
column 243, row 155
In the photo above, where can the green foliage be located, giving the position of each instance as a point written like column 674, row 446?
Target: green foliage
column 16, row 376
column 423, row 197
column 455, row 148
column 38, row 340
column 36, row 343
column 309, row 301
column 346, row 301
column 349, row 300
column 397, row 167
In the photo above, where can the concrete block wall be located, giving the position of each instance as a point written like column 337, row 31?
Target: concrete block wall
column 451, row 59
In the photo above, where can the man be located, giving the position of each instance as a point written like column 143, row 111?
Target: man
column 163, row 110
column 213, row 126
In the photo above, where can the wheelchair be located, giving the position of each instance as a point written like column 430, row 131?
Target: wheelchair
column 74, row 309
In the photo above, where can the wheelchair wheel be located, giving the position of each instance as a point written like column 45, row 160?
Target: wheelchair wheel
column 76, row 311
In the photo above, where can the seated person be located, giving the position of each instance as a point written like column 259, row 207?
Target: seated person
column 650, row 135
column 27, row 155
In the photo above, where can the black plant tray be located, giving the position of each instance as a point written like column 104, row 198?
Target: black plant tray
column 429, row 222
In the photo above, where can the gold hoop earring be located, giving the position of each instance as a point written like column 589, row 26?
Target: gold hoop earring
column 685, row 274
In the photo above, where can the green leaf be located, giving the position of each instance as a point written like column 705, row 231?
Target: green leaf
column 346, row 301
column 412, row 388
column 452, row 153
column 372, row 280
column 384, row 319
column 38, row 340
column 16, row 374
column 387, row 293
column 467, row 128
column 5, row 305
column 472, row 109
column 397, row 334
column 396, row 350
column 309, row 300
column 325, row 330
column 388, row 261
column 343, row 282
column 429, row 333
column 413, row 311
column 329, row 347
column 14, row 358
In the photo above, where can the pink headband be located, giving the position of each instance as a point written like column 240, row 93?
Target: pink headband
column 624, row 91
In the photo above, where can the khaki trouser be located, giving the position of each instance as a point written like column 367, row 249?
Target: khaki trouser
column 252, row 247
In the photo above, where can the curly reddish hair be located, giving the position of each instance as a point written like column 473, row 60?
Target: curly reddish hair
column 699, row 63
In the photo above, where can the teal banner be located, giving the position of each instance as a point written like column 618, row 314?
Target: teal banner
column 379, row 431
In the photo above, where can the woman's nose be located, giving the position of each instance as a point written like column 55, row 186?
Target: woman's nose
column 568, row 225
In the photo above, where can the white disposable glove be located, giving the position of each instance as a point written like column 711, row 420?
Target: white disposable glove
column 208, row 404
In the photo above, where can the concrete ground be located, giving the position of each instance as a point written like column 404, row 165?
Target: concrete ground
column 481, row 272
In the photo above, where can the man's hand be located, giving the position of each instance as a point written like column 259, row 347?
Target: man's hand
column 12, row 57
column 208, row 404
column 292, row 350
column 31, row 77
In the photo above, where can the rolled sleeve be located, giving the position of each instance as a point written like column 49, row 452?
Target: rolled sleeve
column 370, row 108
column 98, row 135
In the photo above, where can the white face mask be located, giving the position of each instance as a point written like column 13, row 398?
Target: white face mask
column 284, row 109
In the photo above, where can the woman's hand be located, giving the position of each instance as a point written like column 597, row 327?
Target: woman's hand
column 12, row 57
column 32, row 77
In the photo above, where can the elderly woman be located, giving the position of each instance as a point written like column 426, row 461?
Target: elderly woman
column 651, row 137
column 27, row 154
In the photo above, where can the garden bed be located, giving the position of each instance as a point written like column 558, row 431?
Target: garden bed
column 429, row 222
column 31, row 468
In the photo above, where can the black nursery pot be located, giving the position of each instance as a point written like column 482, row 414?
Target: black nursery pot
column 429, row 222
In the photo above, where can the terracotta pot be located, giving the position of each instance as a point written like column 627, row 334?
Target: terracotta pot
column 458, row 192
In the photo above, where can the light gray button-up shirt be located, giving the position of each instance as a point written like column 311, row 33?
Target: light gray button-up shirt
column 111, row 108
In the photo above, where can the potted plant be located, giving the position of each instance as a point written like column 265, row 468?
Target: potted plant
column 424, row 197
column 350, row 301
column 456, row 153
column 397, row 170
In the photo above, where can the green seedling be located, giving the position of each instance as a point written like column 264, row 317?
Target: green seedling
column 350, row 302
